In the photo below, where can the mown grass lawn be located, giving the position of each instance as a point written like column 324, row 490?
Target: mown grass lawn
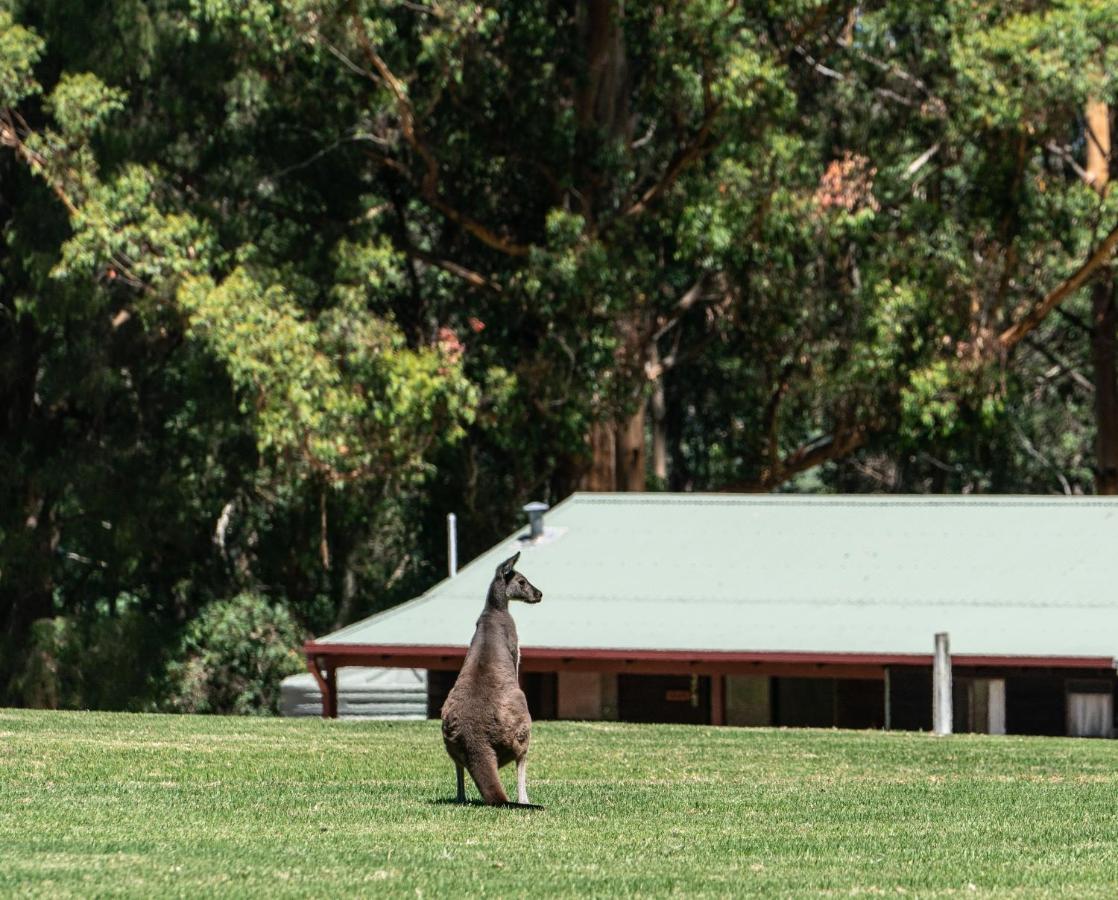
column 95, row 804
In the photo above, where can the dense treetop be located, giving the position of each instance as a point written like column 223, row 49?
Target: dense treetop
column 283, row 283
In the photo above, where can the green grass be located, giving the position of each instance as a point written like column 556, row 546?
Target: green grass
column 96, row 804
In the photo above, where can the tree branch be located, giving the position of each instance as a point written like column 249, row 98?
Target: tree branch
column 429, row 187
column 917, row 164
column 690, row 298
column 695, row 149
column 1065, row 154
column 1013, row 335
column 814, row 453
column 13, row 131
column 770, row 419
column 467, row 275
column 12, row 134
column 934, row 105
column 1060, row 366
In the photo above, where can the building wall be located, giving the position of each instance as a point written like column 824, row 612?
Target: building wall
column 580, row 695
column 587, row 695
column 1052, row 702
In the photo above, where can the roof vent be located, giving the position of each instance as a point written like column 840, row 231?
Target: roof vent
column 535, row 511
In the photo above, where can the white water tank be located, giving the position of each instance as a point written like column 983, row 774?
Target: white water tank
column 362, row 694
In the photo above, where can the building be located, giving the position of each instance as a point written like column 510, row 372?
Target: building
column 788, row 610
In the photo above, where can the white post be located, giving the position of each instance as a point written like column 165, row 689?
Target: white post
column 452, row 544
column 941, row 686
column 996, row 705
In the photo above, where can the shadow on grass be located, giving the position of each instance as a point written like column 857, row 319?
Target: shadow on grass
column 450, row 801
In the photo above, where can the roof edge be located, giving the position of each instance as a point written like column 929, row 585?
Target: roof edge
column 380, row 653
column 637, row 498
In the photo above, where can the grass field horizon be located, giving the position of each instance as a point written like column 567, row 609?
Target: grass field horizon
column 117, row 804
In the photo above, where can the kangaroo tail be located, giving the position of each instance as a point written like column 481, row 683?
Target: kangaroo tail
column 483, row 770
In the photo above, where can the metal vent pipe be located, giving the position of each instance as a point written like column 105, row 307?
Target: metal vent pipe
column 452, row 544
column 535, row 511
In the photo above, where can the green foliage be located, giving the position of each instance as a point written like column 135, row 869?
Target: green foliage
column 121, row 232
column 80, row 104
column 282, row 284
column 1032, row 69
column 233, row 657
column 20, row 49
column 90, row 661
column 343, row 396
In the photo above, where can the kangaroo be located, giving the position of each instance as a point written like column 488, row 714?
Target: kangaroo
column 485, row 717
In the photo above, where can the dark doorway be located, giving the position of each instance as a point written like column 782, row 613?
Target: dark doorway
column 664, row 698
column 860, row 703
column 804, row 702
column 542, row 691
column 829, row 702
column 910, row 698
column 1034, row 704
column 439, row 683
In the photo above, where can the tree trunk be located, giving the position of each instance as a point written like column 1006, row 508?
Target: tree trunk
column 629, row 457
column 602, row 105
column 1098, row 144
column 1103, row 346
column 1104, row 317
column 26, row 596
column 603, row 448
column 658, row 409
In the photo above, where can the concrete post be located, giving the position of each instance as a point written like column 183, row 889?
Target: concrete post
column 941, row 686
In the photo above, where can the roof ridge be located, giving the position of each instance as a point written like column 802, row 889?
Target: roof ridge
column 841, row 500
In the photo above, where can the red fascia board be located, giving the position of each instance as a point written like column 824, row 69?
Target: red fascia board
column 1036, row 662
column 590, row 659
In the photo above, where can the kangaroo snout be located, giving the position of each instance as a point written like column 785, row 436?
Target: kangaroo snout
column 538, row 596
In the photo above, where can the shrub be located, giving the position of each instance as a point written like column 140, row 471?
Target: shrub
column 92, row 660
column 233, row 657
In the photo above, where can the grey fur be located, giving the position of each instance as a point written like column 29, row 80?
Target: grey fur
column 485, row 717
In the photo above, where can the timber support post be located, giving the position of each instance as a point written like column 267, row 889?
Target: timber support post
column 941, row 686
column 327, row 677
column 887, row 718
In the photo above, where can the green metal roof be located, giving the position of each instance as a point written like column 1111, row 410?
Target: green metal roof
column 1005, row 576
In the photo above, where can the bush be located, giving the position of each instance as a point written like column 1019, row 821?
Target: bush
column 233, row 657
column 93, row 660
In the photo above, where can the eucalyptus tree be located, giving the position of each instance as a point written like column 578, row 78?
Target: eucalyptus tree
column 283, row 282
column 203, row 388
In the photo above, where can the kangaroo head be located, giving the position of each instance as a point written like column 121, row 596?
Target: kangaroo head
column 516, row 586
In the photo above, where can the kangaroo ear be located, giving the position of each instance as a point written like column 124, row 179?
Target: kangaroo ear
column 505, row 568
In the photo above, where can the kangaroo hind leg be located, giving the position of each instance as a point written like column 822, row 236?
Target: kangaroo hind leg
column 483, row 770
column 522, row 779
column 461, row 782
